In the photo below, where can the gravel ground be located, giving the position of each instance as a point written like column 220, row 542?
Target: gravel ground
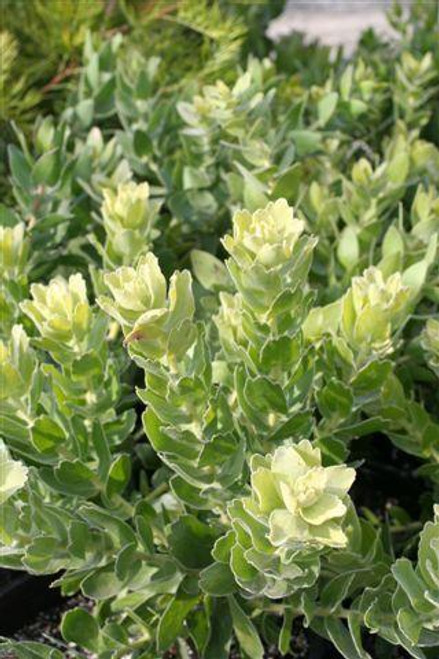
column 44, row 628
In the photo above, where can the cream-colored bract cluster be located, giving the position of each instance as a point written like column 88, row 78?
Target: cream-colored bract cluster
column 296, row 511
column 129, row 216
column 303, row 502
column 135, row 291
column 154, row 323
column 269, row 259
column 266, row 236
column 372, row 309
column 61, row 313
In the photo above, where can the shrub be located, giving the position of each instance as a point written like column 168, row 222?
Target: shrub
column 220, row 348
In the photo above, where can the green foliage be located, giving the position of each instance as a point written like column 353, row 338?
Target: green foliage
column 219, row 328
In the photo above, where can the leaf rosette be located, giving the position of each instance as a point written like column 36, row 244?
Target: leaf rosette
column 269, row 255
column 411, row 596
column 296, row 511
column 62, row 315
column 372, row 310
column 155, row 324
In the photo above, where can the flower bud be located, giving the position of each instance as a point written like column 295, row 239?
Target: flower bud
column 129, row 216
column 62, row 314
column 17, row 365
column 153, row 325
column 296, row 510
column 269, row 256
column 14, row 249
column 372, row 310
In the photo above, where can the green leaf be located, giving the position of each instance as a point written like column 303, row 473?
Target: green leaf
column 335, row 400
column 121, row 533
column 102, row 584
column 210, row 271
column 348, row 249
column 191, row 542
column 288, row 184
column 145, row 533
column 412, row 585
column 75, row 478
column 101, row 446
column 326, row 107
column 127, row 563
column 306, row 141
column 20, row 168
column 29, row 650
column 119, row 475
column 80, row 627
column 221, row 627
column 264, row 396
column 285, row 632
column 195, row 178
column 198, row 625
column 171, row 624
column 45, row 555
column 245, row 631
column 254, row 196
column 85, row 111
column 341, row 638
column 46, row 169
column 47, row 435
column 217, row 580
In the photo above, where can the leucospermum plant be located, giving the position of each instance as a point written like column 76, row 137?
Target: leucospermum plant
column 252, row 411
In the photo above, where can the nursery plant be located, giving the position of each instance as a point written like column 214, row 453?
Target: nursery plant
column 219, row 341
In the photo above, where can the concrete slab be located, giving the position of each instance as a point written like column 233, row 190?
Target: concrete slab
column 333, row 22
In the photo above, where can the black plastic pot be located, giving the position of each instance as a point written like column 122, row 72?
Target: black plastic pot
column 22, row 597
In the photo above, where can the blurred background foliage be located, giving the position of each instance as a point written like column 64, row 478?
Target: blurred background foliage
column 42, row 41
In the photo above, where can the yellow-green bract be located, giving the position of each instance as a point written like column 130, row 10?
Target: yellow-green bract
column 303, row 502
column 13, row 474
column 129, row 217
column 372, row 309
column 296, row 510
column 62, row 314
column 14, row 250
column 155, row 324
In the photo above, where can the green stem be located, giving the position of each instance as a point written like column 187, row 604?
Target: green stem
column 406, row 528
column 124, row 504
column 158, row 491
